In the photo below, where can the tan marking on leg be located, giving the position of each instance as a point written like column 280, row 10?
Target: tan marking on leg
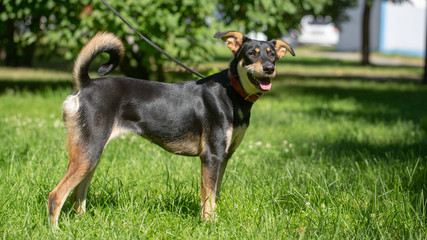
column 78, row 168
column 79, row 165
column 71, row 117
column 80, row 193
column 208, row 200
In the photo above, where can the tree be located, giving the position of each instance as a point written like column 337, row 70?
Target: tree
column 184, row 28
column 23, row 25
column 366, row 19
column 180, row 27
column 275, row 17
column 424, row 81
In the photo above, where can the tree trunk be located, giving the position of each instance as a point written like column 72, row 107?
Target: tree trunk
column 365, row 33
column 10, row 46
column 425, row 56
column 139, row 71
column 20, row 53
column 160, row 72
column 28, row 53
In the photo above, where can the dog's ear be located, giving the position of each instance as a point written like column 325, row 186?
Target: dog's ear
column 234, row 39
column 281, row 48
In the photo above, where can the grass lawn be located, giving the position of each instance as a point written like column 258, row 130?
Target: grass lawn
column 323, row 158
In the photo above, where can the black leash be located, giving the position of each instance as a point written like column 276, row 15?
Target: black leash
column 152, row 44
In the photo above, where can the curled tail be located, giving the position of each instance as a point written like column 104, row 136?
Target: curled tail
column 100, row 43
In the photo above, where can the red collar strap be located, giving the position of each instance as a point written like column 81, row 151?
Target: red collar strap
column 239, row 88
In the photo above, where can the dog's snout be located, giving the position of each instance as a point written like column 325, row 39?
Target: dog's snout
column 268, row 67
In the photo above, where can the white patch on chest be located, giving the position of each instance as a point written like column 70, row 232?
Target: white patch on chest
column 234, row 137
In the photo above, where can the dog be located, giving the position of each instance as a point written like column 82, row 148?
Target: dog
column 206, row 118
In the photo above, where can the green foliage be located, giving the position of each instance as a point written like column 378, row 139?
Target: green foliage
column 183, row 28
column 179, row 27
column 275, row 17
column 24, row 26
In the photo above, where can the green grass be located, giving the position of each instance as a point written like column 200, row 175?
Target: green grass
column 323, row 158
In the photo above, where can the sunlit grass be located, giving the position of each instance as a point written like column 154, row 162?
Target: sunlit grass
column 322, row 159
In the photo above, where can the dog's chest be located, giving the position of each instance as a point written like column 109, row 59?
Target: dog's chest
column 235, row 133
column 235, row 137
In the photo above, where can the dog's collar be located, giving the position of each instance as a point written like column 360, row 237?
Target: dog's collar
column 238, row 87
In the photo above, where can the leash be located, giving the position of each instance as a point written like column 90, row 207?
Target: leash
column 152, row 44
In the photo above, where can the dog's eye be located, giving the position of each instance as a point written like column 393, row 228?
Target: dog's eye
column 270, row 54
column 253, row 53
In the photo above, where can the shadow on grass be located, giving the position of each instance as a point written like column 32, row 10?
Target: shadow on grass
column 114, row 194
column 183, row 203
column 376, row 104
column 387, row 105
column 33, row 85
column 353, row 77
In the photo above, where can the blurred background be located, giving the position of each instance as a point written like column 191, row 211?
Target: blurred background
column 49, row 34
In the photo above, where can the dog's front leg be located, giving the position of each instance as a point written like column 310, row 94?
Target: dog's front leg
column 213, row 168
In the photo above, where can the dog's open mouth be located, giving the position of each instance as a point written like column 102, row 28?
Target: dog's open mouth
column 262, row 83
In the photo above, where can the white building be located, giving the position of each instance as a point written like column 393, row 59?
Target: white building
column 395, row 28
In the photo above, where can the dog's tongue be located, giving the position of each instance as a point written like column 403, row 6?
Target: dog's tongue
column 266, row 86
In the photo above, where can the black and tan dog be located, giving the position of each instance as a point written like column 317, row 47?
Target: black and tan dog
column 206, row 118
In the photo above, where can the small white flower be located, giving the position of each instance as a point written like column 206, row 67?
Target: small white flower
column 258, row 143
column 268, row 145
column 290, row 145
column 57, row 123
column 286, row 150
column 285, row 142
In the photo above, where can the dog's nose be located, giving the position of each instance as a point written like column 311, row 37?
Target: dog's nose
column 268, row 68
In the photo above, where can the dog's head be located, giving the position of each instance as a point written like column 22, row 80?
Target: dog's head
column 256, row 60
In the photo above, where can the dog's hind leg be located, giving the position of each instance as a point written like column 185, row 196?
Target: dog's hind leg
column 85, row 149
column 79, row 167
column 84, row 158
column 80, row 192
